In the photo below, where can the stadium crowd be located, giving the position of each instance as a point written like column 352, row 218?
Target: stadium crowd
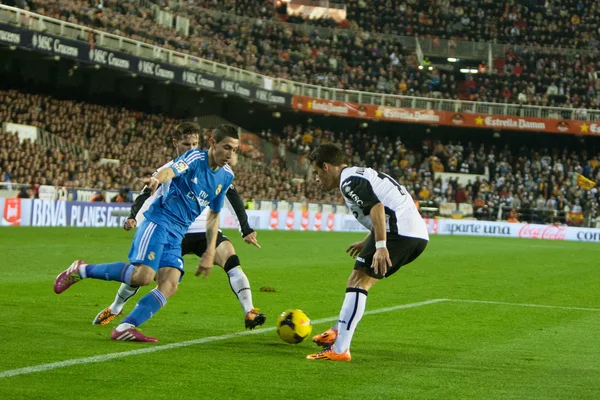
column 570, row 24
column 518, row 178
column 359, row 60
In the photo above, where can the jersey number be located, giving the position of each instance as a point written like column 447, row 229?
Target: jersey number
column 383, row 176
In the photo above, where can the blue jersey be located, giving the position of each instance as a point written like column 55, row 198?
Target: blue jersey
column 194, row 187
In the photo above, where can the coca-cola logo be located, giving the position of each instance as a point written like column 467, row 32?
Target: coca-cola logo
column 546, row 232
column 588, row 236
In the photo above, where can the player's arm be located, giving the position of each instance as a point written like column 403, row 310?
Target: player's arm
column 139, row 201
column 181, row 165
column 212, row 230
column 161, row 177
column 381, row 258
column 360, row 191
column 237, row 204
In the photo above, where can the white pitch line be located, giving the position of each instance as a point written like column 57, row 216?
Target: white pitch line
column 146, row 350
column 523, row 305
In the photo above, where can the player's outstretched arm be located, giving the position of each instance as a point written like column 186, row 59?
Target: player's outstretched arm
column 139, row 201
column 237, row 204
column 381, row 258
column 208, row 258
column 161, row 177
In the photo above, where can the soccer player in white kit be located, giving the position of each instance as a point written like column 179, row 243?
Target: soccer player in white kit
column 186, row 137
column 398, row 235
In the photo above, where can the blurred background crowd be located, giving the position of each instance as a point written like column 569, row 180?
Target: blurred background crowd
column 118, row 145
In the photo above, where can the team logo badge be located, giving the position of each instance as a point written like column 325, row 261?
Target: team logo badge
column 219, row 189
column 180, row 166
column 151, row 256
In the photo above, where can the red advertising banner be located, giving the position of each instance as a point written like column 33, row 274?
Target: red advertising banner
column 12, row 212
column 274, row 220
column 304, row 221
column 289, row 222
column 434, row 117
column 330, row 222
column 318, row 221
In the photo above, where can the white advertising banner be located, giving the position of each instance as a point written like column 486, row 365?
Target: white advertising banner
column 23, row 131
column 25, row 212
column 518, row 230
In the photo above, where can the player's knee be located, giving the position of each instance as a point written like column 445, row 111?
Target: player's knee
column 232, row 262
column 360, row 279
column 168, row 288
column 224, row 251
column 142, row 275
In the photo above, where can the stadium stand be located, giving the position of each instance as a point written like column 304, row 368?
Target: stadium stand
column 534, row 183
column 538, row 183
column 358, row 60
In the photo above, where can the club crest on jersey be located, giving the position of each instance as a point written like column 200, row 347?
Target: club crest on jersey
column 219, row 188
column 151, row 256
column 180, row 166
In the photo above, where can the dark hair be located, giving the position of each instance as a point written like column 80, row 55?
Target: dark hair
column 327, row 153
column 225, row 130
column 186, row 129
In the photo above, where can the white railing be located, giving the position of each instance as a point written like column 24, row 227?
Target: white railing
column 42, row 23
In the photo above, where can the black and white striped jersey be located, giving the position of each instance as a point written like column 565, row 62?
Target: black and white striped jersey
column 363, row 188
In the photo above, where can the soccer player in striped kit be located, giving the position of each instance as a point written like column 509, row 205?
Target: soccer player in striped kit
column 398, row 235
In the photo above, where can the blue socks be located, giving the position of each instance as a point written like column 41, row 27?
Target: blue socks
column 121, row 272
column 146, row 308
column 117, row 271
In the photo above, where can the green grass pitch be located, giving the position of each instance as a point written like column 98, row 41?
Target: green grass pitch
column 500, row 347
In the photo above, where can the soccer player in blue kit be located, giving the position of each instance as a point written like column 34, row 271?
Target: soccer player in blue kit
column 199, row 179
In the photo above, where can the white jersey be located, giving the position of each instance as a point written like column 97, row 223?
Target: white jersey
column 199, row 224
column 363, row 188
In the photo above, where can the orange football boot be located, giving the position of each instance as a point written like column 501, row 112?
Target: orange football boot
column 254, row 319
column 326, row 339
column 330, row 355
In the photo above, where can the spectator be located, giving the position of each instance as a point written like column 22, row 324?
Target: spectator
column 25, row 193
column 121, row 197
column 99, row 197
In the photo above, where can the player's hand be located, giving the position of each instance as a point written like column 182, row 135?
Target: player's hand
column 129, row 224
column 153, row 184
column 355, row 249
column 381, row 260
column 206, row 264
column 251, row 239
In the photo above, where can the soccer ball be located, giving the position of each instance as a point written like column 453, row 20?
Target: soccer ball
column 293, row 326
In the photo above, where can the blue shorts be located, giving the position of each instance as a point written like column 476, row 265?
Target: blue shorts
column 155, row 247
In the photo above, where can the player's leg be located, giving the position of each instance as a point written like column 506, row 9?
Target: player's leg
column 402, row 251
column 189, row 245
column 238, row 281
column 138, row 272
column 329, row 337
column 170, row 271
column 124, row 293
column 353, row 308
